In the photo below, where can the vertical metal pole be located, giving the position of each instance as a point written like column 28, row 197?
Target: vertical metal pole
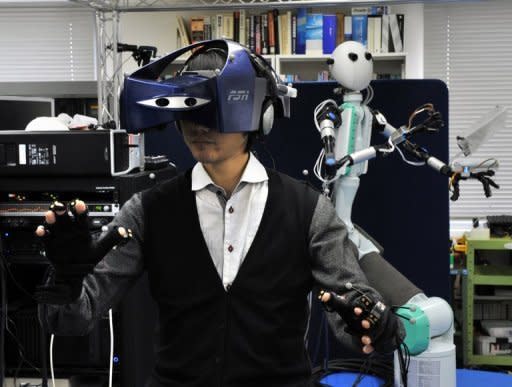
column 108, row 65
column 100, row 61
column 117, row 70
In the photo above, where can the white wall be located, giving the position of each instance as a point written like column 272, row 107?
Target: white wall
column 151, row 28
column 413, row 37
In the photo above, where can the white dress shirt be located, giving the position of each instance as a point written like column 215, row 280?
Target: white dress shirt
column 230, row 224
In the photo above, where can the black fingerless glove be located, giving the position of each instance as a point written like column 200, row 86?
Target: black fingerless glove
column 73, row 253
column 385, row 331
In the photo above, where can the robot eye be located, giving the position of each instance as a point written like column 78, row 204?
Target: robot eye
column 175, row 103
column 352, row 56
column 368, row 56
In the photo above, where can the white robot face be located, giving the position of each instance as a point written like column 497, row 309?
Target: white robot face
column 353, row 65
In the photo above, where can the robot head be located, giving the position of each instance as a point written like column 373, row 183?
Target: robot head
column 352, row 65
column 240, row 95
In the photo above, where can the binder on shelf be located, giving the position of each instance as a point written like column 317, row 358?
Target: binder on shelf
column 395, row 34
column 385, row 34
column 302, row 15
column 340, row 28
column 360, row 29
column 374, row 33
column 329, row 33
column 314, row 32
column 377, row 33
column 348, row 28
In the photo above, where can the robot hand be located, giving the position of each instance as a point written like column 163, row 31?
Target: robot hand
column 484, row 177
column 72, row 251
column 366, row 318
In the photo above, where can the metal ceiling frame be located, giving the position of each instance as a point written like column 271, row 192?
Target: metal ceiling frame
column 109, row 65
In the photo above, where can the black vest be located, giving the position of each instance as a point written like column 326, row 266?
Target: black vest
column 251, row 335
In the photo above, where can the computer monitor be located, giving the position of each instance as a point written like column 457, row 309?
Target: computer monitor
column 17, row 112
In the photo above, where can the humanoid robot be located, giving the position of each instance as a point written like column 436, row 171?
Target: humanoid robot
column 346, row 132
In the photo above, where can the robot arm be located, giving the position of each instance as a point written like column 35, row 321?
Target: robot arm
column 329, row 119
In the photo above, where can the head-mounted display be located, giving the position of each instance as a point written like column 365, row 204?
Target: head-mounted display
column 228, row 99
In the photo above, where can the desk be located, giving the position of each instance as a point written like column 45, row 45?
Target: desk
column 465, row 378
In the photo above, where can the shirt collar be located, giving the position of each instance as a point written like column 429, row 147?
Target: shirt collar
column 254, row 173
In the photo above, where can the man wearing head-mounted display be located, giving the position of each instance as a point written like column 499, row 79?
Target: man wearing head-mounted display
column 233, row 300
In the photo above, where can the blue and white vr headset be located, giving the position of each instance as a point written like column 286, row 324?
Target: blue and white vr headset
column 242, row 96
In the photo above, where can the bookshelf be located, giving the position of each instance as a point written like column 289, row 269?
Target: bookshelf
column 296, row 61
column 308, row 66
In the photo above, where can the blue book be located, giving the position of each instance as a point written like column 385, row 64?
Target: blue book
column 300, row 46
column 360, row 29
column 314, row 32
column 329, row 33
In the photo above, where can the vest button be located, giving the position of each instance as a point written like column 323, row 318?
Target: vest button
column 218, row 359
column 230, row 248
column 231, row 210
column 228, row 286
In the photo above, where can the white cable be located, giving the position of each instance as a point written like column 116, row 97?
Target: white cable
column 414, row 163
column 391, row 147
column 51, row 359
column 317, row 169
column 111, row 325
column 318, row 108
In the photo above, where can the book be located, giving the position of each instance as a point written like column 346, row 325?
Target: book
column 294, row 33
column 242, row 27
column 288, row 32
column 227, row 26
column 329, row 33
column 197, row 32
column 360, row 29
column 377, row 33
column 360, row 11
column 371, row 10
column 252, row 36
column 371, row 34
column 283, row 35
column 208, row 33
column 271, row 33
column 265, row 50
column 401, row 25
column 394, row 31
column 277, row 41
column 185, row 39
column 380, row 10
column 257, row 34
column 236, row 26
column 385, row 34
column 348, row 28
column 248, row 32
column 340, row 28
column 314, row 34
column 219, row 25
column 302, row 14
